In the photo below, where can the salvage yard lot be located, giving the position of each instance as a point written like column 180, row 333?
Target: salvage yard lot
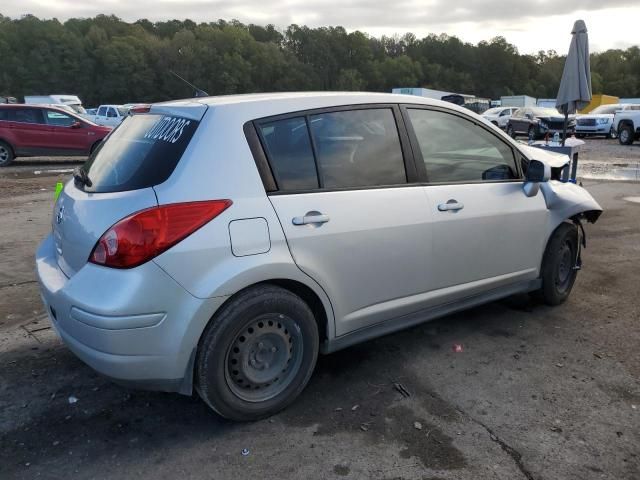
column 535, row 393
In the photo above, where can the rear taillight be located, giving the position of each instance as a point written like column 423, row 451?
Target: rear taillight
column 142, row 108
column 144, row 235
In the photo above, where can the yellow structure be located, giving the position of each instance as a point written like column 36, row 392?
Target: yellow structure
column 599, row 99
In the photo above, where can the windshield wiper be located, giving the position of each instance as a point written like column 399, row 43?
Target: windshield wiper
column 81, row 177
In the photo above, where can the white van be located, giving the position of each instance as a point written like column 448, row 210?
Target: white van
column 69, row 100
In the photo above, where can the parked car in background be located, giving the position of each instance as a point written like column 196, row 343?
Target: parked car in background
column 31, row 130
column 72, row 101
column 536, row 122
column 110, row 115
column 162, row 275
column 499, row 116
column 627, row 124
column 599, row 121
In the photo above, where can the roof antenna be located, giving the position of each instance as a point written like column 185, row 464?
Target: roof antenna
column 198, row 92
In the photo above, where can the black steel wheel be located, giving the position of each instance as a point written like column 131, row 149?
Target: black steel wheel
column 559, row 272
column 510, row 131
column 257, row 353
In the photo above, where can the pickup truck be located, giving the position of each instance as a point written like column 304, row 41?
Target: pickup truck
column 109, row 115
column 627, row 124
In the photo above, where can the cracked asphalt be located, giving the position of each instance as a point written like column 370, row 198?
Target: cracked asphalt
column 536, row 392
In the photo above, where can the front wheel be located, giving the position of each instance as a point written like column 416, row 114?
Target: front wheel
column 257, row 354
column 6, row 154
column 612, row 133
column 625, row 135
column 558, row 271
column 510, row 131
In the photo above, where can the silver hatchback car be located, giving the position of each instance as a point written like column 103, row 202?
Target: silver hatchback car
column 220, row 244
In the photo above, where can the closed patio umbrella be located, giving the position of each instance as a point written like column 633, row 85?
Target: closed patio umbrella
column 575, row 85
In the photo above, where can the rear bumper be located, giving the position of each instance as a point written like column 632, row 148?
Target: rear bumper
column 138, row 326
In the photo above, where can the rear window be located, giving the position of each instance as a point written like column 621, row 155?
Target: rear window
column 142, row 152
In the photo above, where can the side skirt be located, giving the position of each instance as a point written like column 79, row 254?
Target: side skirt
column 406, row 321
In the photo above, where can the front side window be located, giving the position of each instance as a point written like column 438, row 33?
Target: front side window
column 111, row 113
column 358, row 148
column 102, row 111
column 457, row 150
column 58, row 119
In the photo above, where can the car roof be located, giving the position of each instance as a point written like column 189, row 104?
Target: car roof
column 292, row 101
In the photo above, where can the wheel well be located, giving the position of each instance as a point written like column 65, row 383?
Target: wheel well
column 8, row 144
column 310, row 298
column 625, row 123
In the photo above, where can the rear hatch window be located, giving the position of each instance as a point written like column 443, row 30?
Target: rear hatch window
column 142, row 152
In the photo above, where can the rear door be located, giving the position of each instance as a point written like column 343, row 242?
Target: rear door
column 486, row 232
column 354, row 219
column 31, row 134
column 141, row 153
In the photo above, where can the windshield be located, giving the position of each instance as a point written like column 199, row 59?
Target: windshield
column 76, row 107
column 545, row 112
column 606, row 109
column 142, row 152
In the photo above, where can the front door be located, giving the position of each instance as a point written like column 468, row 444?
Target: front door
column 66, row 134
column 352, row 219
column 486, row 231
column 32, row 136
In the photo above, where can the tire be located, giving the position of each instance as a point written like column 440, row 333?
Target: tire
column 243, row 369
column 495, row 123
column 612, row 133
column 531, row 133
column 6, row 154
column 625, row 135
column 558, row 273
column 510, row 131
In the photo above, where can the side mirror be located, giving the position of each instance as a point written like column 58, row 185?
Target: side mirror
column 76, row 124
column 537, row 172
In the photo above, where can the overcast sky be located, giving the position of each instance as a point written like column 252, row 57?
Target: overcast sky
column 532, row 25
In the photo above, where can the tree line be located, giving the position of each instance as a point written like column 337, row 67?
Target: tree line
column 106, row 60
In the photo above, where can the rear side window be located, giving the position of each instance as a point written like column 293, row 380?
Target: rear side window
column 26, row 115
column 358, row 148
column 142, row 152
column 350, row 148
column 457, row 150
column 289, row 149
column 3, row 114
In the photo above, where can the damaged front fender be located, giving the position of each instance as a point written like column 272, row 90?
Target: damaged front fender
column 568, row 200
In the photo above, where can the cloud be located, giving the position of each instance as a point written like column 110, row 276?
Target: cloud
column 470, row 20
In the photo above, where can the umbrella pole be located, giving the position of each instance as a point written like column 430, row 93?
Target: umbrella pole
column 564, row 130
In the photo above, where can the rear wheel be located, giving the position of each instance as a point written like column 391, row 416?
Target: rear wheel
column 510, row 131
column 257, row 354
column 558, row 265
column 625, row 135
column 6, row 154
column 531, row 133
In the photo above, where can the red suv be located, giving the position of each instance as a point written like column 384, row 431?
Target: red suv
column 30, row 130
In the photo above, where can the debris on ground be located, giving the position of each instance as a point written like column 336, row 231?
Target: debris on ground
column 72, row 400
column 457, row 348
column 559, row 365
column 400, row 388
column 245, row 452
column 355, row 407
column 417, row 425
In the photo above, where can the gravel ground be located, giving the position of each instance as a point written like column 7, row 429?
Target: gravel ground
column 537, row 392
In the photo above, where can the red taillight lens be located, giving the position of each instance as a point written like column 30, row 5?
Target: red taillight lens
column 144, row 235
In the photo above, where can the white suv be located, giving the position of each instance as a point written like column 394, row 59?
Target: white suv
column 222, row 243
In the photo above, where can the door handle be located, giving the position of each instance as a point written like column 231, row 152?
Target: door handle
column 311, row 218
column 451, row 205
